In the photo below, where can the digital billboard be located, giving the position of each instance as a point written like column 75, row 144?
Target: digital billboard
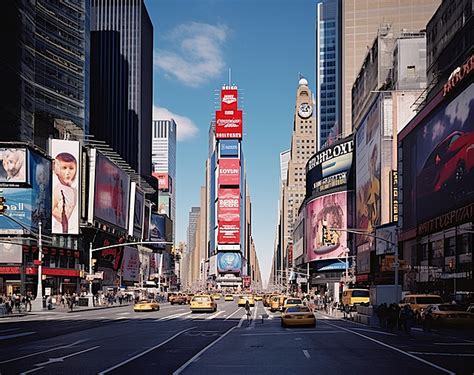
column 386, row 238
column 330, row 167
column 229, row 126
column 229, row 99
column 146, row 222
column 329, row 211
column 111, row 193
column 229, row 262
column 228, row 148
column 229, row 172
column 163, row 181
column 130, row 264
column 10, row 253
column 138, row 213
column 66, row 185
column 40, row 181
column 164, row 203
column 157, row 229
column 368, row 167
column 228, row 216
column 13, row 166
column 438, row 165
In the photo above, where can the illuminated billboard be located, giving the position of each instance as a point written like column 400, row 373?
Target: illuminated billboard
column 164, row 203
column 326, row 213
column 163, row 181
column 111, row 193
column 138, row 213
column 228, row 216
column 229, row 99
column 229, row 172
column 228, row 148
column 157, row 230
column 330, row 167
column 13, row 166
column 130, row 264
column 229, row 126
column 146, row 222
column 66, row 185
column 10, row 252
column 229, row 262
column 438, row 166
column 368, row 166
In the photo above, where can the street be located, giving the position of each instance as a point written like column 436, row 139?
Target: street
column 174, row 340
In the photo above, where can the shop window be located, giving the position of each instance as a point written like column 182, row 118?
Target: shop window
column 423, row 251
column 450, row 246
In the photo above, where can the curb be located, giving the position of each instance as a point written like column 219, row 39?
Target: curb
column 98, row 308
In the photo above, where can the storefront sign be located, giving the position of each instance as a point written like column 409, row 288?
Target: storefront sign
column 459, row 74
column 394, row 207
column 455, row 217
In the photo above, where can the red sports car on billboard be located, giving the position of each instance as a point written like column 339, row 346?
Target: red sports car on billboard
column 449, row 167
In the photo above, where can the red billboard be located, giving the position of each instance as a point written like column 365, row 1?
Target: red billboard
column 229, row 172
column 163, row 180
column 229, row 100
column 228, row 216
column 228, row 124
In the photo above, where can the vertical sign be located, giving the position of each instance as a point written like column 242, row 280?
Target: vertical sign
column 394, row 206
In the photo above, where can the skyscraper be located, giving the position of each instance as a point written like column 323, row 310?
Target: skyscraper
column 122, row 45
column 44, row 69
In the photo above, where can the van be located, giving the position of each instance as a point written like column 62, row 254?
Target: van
column 353, row 297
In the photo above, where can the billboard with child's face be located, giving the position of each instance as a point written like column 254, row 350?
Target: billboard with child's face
column 13, row 166
column 66, row 185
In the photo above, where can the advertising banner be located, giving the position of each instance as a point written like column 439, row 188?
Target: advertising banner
column 229, row 99
column 229, row 172
column 138, row 213
column 228, row 216
column 213, row 265
column 229, row 126
column 130, row 264
column 146, row 222
column 330, row 211
column 13, row 166
column 40, row 181
column 229, row 262
column 10, row 253
column 228, row 148
column 131, row 210
column 163, row 180
column 164, row 202
column 329, row 168
column 157, row 229
column 145, row 262
column 438, row 164
column 368, row 166
column 66, row 185
column 386, row 238
column 111, row 193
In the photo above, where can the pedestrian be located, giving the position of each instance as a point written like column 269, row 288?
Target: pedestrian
column 247, row 309
column 71, row 301
column 406, row 318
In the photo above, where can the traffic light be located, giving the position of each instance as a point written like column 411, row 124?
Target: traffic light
column 2, row 205
column 94, row 265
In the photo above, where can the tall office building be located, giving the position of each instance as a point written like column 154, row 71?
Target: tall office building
column 345, row 30
column 122, row 48
column 284, row 159
column 44, row 69
column 303, row 146
column 163, row 159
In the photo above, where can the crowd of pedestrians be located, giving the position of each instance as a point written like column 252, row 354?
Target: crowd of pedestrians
column 393, row 317
column 16, row 303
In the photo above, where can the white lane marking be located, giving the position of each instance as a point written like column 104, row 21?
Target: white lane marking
column 374, row 331
column 242, row 320
column 393, row 348
column 235, row 312
column 6, row 337
column 145, row 352
column 446, row 354
column 61, row 359
column 198, row 355
column 287, row 333
column 215, row 315
column 32, row 370
column 454, row 343
column 173, row 316
column 44, row 351
column 306, row 354
column 120, row 317
column 9, row 330
column 123, row 313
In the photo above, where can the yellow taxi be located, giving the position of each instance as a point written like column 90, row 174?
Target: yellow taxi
column 257, row 297
column 353, row 297
column 298, row 316
column 292, row 302
column 274, row 303
column 419, row 302
column 228, row 297
column 146, row 305
column 216, row 296
column 203, row 302
column 447, row 314
column 243, row 299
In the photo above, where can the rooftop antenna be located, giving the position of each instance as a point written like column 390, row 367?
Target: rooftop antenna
column 230, row 76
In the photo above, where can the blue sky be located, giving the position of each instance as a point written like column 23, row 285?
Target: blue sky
column 266, row 43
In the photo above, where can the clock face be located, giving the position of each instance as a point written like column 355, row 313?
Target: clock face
column 305, row 110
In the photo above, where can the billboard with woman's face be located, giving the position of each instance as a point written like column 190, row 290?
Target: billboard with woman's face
column 329, row 211
column 13, row 165
column 111, row 195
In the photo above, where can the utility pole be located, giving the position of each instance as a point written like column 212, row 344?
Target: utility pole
column 37, row 303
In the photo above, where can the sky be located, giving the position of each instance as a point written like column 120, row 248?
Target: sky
column 266, row 44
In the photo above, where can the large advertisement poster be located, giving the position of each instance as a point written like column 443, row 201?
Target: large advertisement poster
column 13, row 166
column 10, row 253
column 229, row 262
column 368, row 166
column 438, row 163
column 157, row 229
column 229, row 126
column 66, row 185
column 111, row 193
column 326, row 213
column 18, row 207
column 229, row 172
column 164, row 203
column 228, row 148
column 146, row 222
column 40, row 180
column 138, row 213
column 228, row 216
column 329, row 168
column 163, row 180
column 229, row 99
column 130, row 264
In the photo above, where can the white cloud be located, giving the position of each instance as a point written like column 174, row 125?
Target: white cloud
column 196, row 55
column 186, row 129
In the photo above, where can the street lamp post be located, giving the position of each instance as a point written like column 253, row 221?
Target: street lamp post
column 37, row 303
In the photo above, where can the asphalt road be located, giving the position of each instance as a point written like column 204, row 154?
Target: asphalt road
column 173, row 340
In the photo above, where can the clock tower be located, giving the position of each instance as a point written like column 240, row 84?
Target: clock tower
column 303, row 146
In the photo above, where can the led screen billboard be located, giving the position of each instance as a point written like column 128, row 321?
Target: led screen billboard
column 164, row 203
column 163, row 180
column 330, row 211
column 138, row 213
column 228, row 148
column 229, row 99
column 330, row 167
column 146, row 222
column 438, row 165
column 368, row 166
column 229, row 262
column 10, row 253
column 229, row 172
column 13, row 166
column 229, row 126
column 111, row 193
column 66, row 185
column 228, row 216
column 130, row 264
column 157, row 230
